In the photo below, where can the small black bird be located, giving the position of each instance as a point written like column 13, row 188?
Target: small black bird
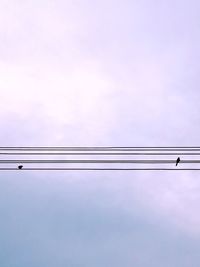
column 20, row 167
column 177, row 161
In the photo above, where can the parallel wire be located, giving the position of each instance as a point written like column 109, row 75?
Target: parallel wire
column 99, row 154
column 100, row 148
column 84, row 151
column 100, row 169
column 95, row 161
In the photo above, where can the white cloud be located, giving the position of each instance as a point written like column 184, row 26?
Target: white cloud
column 87, row 80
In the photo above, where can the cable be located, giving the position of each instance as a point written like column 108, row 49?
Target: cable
column 99, row 169
column 96, row 154
column 96, row 161
column 91, row 147
column 98, row 151
column 100, row 148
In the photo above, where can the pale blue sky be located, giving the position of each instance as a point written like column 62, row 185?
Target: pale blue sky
column 99, row 73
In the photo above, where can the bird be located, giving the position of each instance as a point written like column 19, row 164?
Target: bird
column 20, row 167
column 177, row 161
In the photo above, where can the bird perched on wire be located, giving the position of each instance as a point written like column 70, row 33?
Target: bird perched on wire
column 20, row 167
column 177, row 161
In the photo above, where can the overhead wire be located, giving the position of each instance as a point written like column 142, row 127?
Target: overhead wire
column 100, row 148
column 101, row 153
column 98, row 151
column 101, row 169
column 10, row 161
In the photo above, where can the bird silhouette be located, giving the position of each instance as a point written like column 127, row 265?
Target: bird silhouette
column 20, row 167
column 177, row 161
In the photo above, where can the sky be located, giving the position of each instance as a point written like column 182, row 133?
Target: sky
column 99, row 73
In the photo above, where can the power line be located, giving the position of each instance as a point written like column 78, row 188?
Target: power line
column 101, row 153
column 32, row 161
column 98, row 151
column 100, row 148
column 100, row 169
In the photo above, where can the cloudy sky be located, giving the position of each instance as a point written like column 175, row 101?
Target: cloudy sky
column 99, row 73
